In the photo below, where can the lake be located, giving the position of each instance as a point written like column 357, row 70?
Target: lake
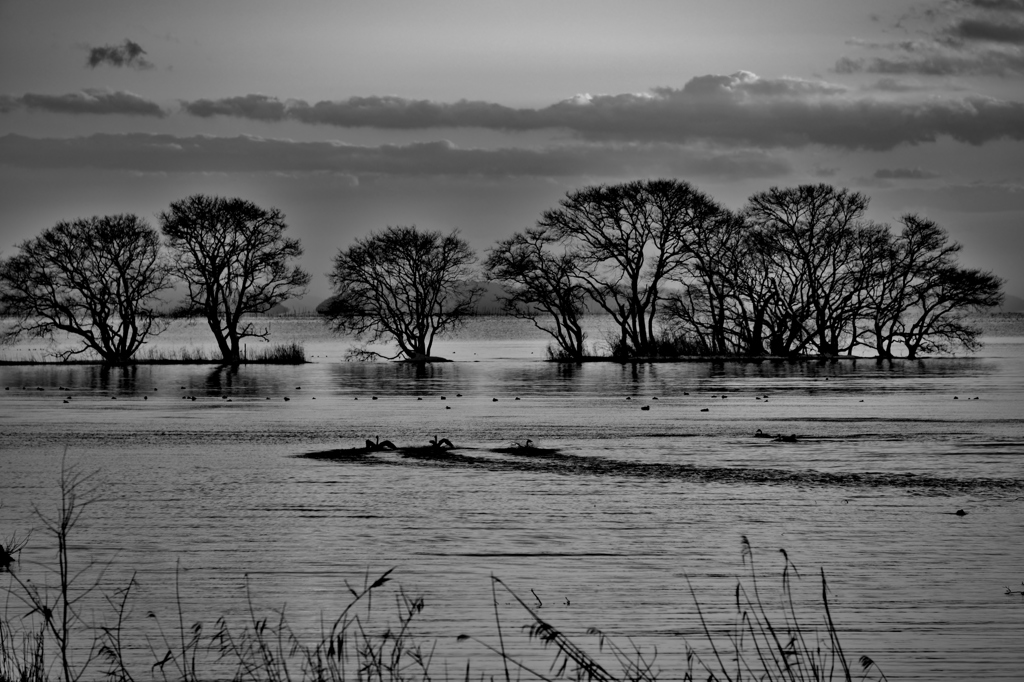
column 602, row 527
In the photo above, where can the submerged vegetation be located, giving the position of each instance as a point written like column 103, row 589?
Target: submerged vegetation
column 49, row 630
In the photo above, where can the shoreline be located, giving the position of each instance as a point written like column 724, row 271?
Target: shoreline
column 687, row 359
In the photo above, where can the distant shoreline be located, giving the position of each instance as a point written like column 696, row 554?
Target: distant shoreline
column 757, row 359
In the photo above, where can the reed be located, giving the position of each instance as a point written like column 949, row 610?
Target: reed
column 45, row 634
column 278, row 354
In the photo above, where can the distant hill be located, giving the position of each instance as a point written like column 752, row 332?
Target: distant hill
column 487, row 305
column 1012, row 304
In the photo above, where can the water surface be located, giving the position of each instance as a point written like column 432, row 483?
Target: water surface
column 605, row 528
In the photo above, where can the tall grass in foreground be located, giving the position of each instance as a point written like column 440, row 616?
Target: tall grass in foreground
column 45, row 633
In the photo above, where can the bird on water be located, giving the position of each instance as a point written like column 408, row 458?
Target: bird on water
column 379, row 444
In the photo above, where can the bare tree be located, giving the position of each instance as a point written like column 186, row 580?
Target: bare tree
column 919, row 296
column 405, row 286
column 96, row 279
column 810, row 235
column 628, row 239
column 538, row 276
column 234, row 257
column 707, row 304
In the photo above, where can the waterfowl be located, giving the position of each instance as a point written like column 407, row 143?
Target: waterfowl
column 761, row 434
column 791, row 438
column 379, row 444
column 646, row 408
column 960, row 512
column 443, row 443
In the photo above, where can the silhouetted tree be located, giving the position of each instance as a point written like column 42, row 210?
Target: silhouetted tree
column 538, row 276
column 919, row 297
column 707, row 307
column 810, row 236
column 234, row 257
column 403, row 285
column 627, row 239
column 95, row 279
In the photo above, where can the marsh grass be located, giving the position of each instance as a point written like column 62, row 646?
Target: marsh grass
column 277, row 354
column 45, row 634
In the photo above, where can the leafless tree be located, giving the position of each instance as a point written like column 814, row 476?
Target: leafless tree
column 234, row 257
column 539, row 278
column 707, row 306
column 628, row 239
column 95, row 279
column 405, row 286
column 810, row 234
column 919, row 297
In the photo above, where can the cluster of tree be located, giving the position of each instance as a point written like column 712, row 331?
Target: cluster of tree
column 100, row 279
column 798, row 271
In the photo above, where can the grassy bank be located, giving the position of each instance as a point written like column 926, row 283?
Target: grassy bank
column 48, row 633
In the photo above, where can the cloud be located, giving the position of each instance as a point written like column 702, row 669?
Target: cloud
column 964, row 37
column 981, row 197
column 894, row 85
column 128, row 54
column 904, row 174
column 89, row 101
column 148, row 153
column 986, row 29
column 740, row 110
column 254, row 107
column 998, row 5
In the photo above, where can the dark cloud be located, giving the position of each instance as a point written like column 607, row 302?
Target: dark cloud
column 128, row 54
column 146, row 153
column 740, row 110
column 254, row 107
column 939, row 60
column 999, row 5
column 891, row 84
column 904, row 174
column 90, row 102
column 978, row 197
column 986, row 29
column 968, row 37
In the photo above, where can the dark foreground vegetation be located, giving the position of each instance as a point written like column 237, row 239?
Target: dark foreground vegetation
column 49, row 631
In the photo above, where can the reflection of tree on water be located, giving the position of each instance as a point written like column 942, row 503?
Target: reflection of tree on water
column 115, row 379
column 222, row 379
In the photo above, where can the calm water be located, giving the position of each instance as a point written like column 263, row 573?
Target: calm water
column 605, row 530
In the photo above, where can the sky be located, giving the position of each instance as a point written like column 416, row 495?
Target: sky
column 477, row 115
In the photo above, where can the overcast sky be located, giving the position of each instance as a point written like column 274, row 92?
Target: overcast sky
column 478, row 115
